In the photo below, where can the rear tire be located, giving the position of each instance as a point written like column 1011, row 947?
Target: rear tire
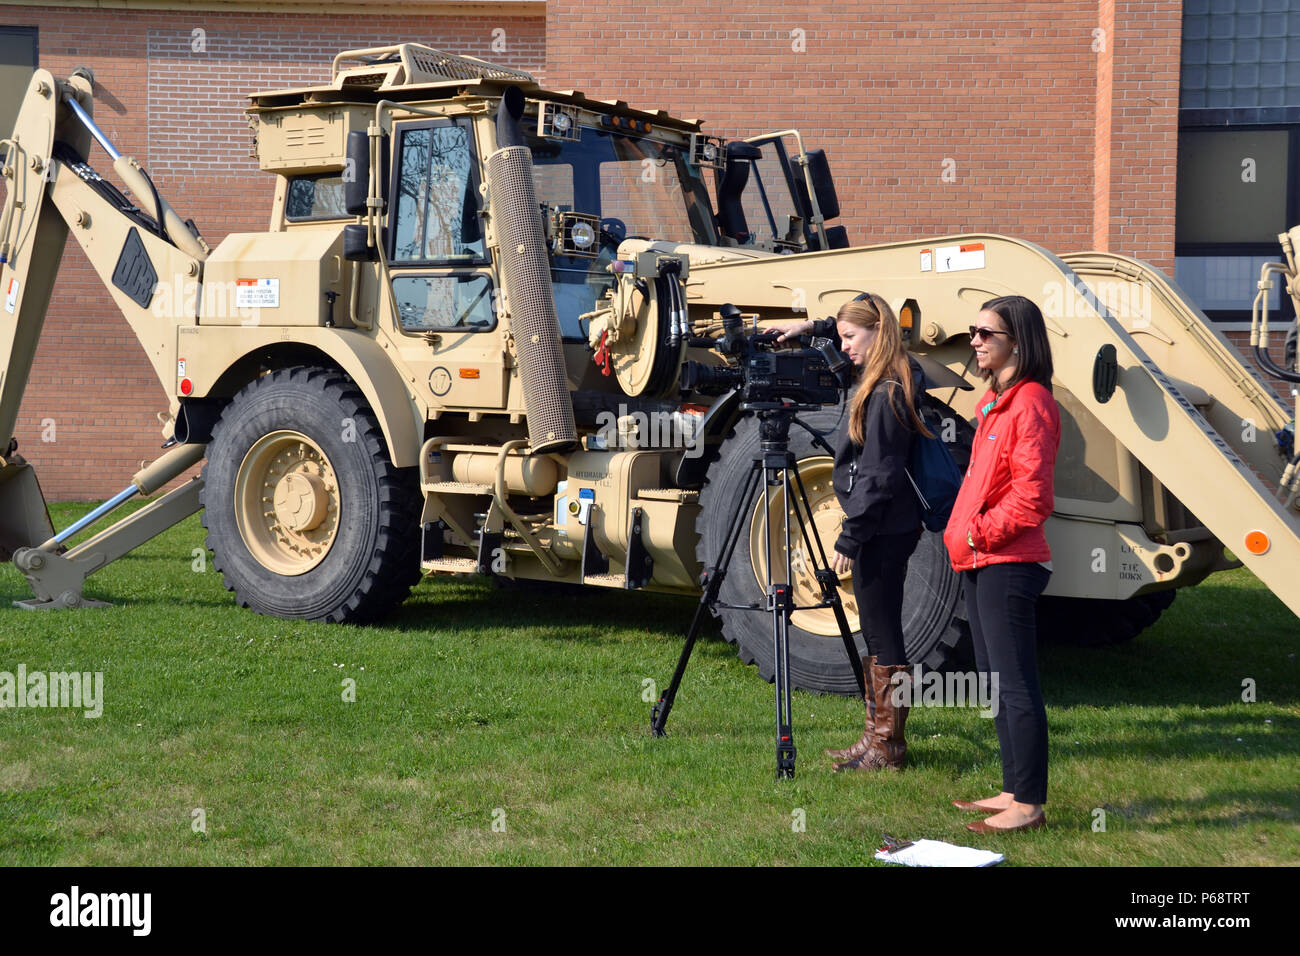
column 306, row 515
column 1091, row 622
column 934, row 620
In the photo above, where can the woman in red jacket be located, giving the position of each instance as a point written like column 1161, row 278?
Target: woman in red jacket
column 995, row 538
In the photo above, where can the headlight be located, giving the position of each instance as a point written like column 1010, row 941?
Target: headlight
column 582, row 234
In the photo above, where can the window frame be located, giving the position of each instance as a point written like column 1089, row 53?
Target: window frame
column 1238, row 317
column 399, row 132
column 313, row 177
column 461, row 272
column 34, row 33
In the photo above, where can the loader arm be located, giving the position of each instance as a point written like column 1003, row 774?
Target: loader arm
column 1175, row 334
column 1185, row 406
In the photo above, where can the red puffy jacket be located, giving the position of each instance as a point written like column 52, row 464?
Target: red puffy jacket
column 1007, row 494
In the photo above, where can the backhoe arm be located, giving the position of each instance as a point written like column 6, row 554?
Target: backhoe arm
column 149, row 260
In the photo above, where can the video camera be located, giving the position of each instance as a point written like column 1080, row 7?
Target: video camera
column 768, row 372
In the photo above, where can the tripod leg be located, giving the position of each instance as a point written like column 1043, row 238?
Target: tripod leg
column 781, row 602
column 829, row 583
column 713, row 578
column 785, row 749
column 659, row 715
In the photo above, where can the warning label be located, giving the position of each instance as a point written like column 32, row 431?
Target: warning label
column 959, row 258
column 11, row 296
column 257, row 293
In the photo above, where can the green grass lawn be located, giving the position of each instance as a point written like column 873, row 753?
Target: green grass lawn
column 476, row 704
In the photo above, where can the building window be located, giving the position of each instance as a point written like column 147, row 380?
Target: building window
column 1237, row 190
column 1232, row 185
column 17, row 63
column 1240, row 61
column 1238, row 149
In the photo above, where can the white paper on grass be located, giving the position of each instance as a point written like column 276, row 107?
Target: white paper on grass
column 938, row 853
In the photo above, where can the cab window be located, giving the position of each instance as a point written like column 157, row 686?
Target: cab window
column 435, row 190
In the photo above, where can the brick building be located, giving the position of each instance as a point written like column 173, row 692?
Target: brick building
column 1059, row 123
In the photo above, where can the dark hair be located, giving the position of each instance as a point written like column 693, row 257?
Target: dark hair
column 1024, row 320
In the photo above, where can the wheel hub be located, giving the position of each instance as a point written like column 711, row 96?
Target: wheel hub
column 827, row 516
column 301, row 501
column 287, row 502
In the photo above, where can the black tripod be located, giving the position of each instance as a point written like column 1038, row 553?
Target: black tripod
column 775, row 466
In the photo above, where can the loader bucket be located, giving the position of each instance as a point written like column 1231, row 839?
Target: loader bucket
column 24, row 518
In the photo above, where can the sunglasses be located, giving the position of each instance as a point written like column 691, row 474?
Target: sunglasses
column 979, row 332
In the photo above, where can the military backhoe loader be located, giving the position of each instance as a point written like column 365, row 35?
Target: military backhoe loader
column 458, row 350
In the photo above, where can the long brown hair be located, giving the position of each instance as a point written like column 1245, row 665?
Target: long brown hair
column 886, row 360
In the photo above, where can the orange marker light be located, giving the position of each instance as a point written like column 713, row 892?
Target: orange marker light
column 469, row 373
column 1257, row 542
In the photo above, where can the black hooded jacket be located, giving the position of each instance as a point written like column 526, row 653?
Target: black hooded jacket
column 870, row 482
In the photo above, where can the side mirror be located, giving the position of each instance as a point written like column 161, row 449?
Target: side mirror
column 820, row 171
column 355, row 248
column 356, row 172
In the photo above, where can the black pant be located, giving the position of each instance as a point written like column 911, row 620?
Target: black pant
column 878, row 574
column 1002, row 600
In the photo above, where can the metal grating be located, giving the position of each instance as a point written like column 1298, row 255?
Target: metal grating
column 407, row 64
column 427, row 65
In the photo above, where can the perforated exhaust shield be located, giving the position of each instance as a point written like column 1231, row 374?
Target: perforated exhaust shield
column 536, row 328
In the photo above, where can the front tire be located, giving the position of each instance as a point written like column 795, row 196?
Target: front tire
column 306, row 515
column 933, row 609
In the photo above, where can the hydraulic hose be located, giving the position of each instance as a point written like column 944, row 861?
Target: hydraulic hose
column 683, row 314
column 1259, row 322
column 1268, row 365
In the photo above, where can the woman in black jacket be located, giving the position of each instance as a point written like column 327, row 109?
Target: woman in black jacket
column 882, row 517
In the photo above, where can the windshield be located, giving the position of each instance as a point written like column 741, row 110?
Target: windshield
column 637, row 188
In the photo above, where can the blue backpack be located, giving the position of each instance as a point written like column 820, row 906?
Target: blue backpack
column 934, row 475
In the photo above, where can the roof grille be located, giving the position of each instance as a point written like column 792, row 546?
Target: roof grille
column 409, row 64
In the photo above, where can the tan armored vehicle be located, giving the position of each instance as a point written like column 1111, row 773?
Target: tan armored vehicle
column 458, row 350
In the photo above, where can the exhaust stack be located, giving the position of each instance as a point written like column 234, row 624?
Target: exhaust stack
column 527, row 268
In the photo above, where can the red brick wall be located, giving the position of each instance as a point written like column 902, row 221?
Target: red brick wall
column 1002, row 93
column 181, row 113
column 1043, row 134
column 1136, row 209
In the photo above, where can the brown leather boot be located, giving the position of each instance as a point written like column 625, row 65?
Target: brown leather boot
column 888, row 748
column 869, row 701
